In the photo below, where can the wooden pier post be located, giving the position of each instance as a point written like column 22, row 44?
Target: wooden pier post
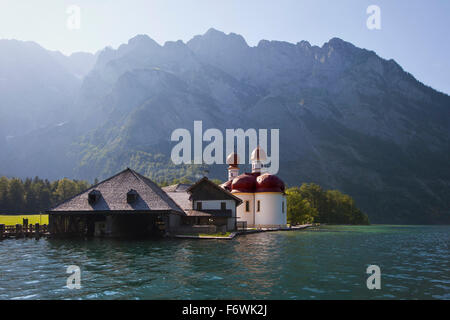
column 36, row 231
column 2, row 231
column 19, row 231
column 25, row 227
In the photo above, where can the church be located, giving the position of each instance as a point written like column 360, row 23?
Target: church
column 263, row 196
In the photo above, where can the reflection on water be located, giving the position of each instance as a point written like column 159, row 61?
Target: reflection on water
column 324, row 263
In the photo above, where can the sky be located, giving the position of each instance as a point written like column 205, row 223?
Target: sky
column 412, row 32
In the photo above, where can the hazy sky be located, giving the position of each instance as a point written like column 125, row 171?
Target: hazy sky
column 413, row 32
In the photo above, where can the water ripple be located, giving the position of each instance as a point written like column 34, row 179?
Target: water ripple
column 324, row 263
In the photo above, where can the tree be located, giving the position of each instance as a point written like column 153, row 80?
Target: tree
column 16, row 196
column 310, row 202
column 4, row 186
column 217, row 181
column 65, row 188
column 316, row 197
column 299, row 209
column 35, row 195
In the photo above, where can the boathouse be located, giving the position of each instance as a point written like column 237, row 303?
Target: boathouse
column 129, row 204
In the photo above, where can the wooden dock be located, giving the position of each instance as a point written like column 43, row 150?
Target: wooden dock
column 23, row 231
column 37, row 231
column 244, row 232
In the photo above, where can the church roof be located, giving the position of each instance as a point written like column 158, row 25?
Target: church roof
column 254, row 182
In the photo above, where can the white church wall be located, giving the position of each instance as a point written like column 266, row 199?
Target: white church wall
column 242, row 213
column 271, row 212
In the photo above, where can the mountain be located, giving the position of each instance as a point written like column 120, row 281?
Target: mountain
column 38, row 89
column 348, row 119
column 35, row 89
column 78, row 64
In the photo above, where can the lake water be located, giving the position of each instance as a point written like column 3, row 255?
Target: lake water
column 323, row 263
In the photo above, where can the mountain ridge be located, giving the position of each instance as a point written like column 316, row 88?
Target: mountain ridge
column 348, row 118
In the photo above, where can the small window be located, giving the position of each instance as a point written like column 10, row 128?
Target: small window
column 223, row 206
column 93, row 196
column 132, row 196
column 282, row 207
column 247, row 206
column 258, row 207
column 199, row 205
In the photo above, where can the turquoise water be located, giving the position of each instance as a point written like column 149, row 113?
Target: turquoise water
column 324, row 263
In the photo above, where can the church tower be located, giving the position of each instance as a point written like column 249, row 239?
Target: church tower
column 233, row 168
column 258, row 157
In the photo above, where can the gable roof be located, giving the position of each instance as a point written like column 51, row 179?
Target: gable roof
column 205, row 180
column 178, row 193
column 177, row 187
column 114, row 196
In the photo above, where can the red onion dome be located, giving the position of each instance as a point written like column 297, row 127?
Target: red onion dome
column 226, row 185
column 244, row 183
column 269, row 183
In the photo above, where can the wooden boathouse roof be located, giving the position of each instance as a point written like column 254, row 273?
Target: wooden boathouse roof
column 125, row 191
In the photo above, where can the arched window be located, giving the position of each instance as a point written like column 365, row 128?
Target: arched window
column 247, row 206
column 258, row 206
column 282, row 207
